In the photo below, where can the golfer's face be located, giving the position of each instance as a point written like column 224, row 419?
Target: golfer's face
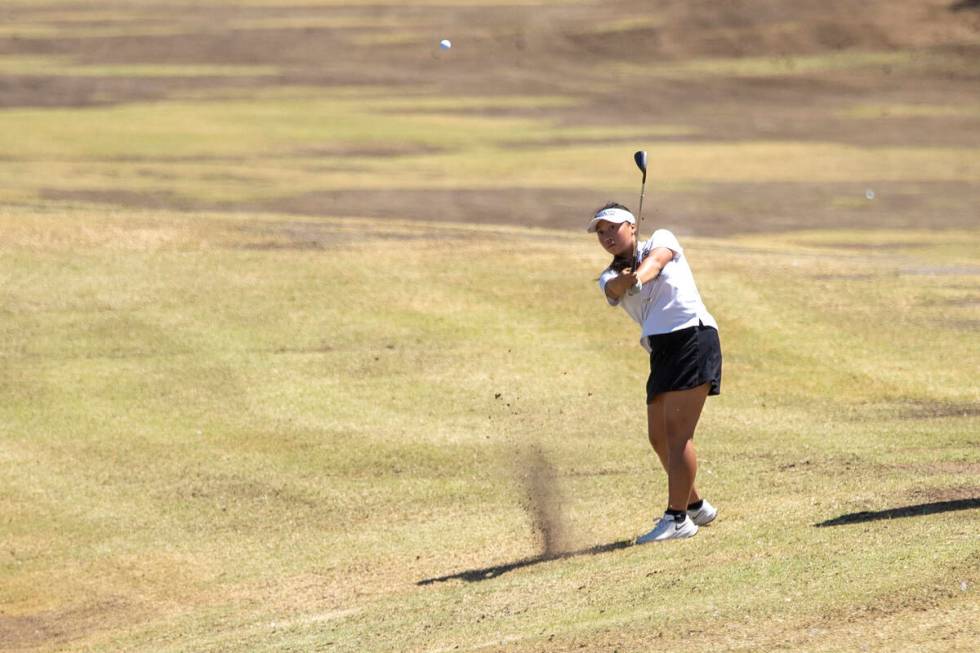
column 615, row 237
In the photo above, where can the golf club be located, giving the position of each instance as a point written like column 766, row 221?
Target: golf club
column 640, row 157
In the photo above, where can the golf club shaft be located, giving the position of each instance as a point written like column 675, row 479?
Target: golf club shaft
column 639, row 221
column 639, row 213
column 640, row 158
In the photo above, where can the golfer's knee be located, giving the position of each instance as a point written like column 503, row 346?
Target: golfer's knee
column 676, row 443
column 679, row 430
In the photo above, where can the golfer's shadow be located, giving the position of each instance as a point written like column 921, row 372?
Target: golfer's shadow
column 486, row 573
column 904, row 511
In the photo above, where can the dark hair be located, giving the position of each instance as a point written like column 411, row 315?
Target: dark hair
column 618, row 264
column 611, row 205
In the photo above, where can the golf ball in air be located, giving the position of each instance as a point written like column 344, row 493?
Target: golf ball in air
column 445, row 44
column 870, row 194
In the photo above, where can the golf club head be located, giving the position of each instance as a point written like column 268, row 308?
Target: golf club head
column 641, row 162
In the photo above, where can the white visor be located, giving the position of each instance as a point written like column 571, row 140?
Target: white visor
column 611, row 215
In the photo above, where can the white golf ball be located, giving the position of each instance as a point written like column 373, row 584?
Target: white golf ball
column 445, row 44
column 870, row 194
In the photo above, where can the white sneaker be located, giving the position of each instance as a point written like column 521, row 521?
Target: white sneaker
column 669, row 528
column 703, row 515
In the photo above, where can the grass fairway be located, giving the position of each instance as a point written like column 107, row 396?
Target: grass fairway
column 228, row 433
column 301, row 347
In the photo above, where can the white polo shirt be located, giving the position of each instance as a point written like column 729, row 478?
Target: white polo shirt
column 668, row 303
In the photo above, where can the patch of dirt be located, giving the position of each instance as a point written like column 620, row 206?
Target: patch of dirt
column 871, row 246
column 973, row 302
column 299, row 235
column 54, row 627
column 591, row 473
column 723, row 209
column 965, row 5
column 911, row 409
column 942, row 270
column 531, row 206
column 64, row 91
column 843, row 277
column 969, row 326
column 137, row 199
column 933, row 410
column 713, row 210
column 955, row 493
column 387, row 151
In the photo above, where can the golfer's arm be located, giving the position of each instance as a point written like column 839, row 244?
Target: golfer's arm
column 653, row 264
column 648, row 271
column 616, row 288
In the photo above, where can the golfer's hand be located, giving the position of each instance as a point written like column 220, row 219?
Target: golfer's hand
column 628, row 279
column 622, row 284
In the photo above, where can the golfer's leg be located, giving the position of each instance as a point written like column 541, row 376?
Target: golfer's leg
column 657, row 432
column 682, row 409
column 657, row 429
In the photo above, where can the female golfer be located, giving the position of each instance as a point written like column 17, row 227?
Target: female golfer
column 685, row 355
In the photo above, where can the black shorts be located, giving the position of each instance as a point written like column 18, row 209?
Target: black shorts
column 684, row 359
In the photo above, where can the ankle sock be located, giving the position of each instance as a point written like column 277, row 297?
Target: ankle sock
column 678, row 515
column 696, row 505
